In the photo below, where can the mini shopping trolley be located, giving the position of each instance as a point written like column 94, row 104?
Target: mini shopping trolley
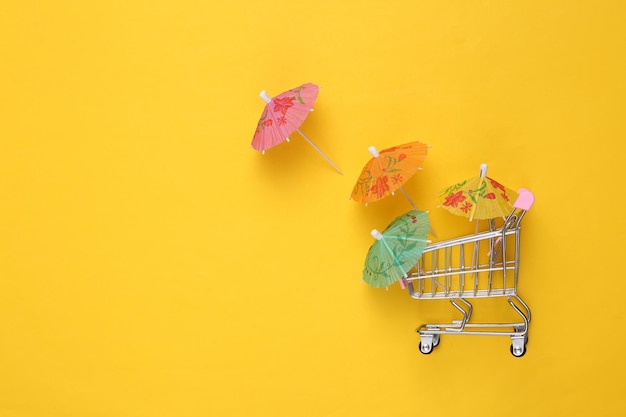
column 480, row 265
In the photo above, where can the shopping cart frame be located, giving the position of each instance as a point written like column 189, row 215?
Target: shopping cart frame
column 492, row 271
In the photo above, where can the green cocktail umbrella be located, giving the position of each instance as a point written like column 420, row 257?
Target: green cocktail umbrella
column 397, row 249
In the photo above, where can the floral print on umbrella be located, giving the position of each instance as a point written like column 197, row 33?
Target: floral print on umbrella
column 398, row 250
column 386, row 173
column 478, row 198
column 283, row 115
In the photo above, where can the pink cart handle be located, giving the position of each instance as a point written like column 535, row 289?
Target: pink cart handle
column 525, row 199
column 402, row 283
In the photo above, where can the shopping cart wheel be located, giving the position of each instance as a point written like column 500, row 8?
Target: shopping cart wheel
column 426, row 349
column 518, row 350
column 428, row 342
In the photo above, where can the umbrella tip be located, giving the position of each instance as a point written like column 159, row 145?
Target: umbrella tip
column 373, row 151
column 265, row 97
column 483, row 170
column 376, row 234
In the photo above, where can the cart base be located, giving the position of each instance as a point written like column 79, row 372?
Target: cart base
column 518, row 332
column 430, row 334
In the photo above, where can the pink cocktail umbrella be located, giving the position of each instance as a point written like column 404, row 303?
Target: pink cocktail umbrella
column 283, row 115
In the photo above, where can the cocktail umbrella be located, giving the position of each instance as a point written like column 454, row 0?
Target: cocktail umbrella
column 387, row 171
column 397, row 249
column 283, row 115
column 478, row 198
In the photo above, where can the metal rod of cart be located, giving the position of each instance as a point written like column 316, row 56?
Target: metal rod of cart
column 479, row 265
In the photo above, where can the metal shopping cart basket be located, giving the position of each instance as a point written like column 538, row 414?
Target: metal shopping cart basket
column 480, row 265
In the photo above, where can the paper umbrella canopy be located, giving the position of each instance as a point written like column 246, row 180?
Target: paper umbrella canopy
column 283, row 115
column 478, row 198
column 387, row 171
column 397, row 249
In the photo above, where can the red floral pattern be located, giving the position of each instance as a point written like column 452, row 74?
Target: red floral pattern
column 499, row 186
column 282, row 104
column 466, row 207
column 496, row 184
column 396, row 179
column 454, row 199
column 381, row 186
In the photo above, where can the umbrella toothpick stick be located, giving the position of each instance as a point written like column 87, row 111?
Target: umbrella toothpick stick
column 408, row 198
column 319, row 150
column 482, row 173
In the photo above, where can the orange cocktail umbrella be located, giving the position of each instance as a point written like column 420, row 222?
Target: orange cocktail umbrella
column 387, row 171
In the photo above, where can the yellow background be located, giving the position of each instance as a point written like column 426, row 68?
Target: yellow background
column 153, row 264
